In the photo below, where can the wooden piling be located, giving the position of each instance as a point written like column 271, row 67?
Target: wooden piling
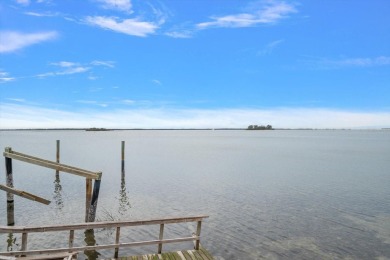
column 117, row 237
column 58, row 158
column 198, row 228
column 10, row 184
column 123, row 159
column 160, row 237
column 88, row 196
column 94, row 200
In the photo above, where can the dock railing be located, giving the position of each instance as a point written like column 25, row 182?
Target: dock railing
column 99, row 225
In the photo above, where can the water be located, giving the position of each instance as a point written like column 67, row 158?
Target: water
column 269, row 194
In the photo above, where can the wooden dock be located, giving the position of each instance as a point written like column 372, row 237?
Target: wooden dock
column 72, row 249
column 201, row 254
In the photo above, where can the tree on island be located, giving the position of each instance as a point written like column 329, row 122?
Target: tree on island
column 260, row 127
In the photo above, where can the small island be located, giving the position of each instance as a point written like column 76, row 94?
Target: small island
column 260, row 127
column 97, row 129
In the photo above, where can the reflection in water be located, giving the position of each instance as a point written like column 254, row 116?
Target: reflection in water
column 124, row 201
column 57, row 197
column 90, row 241
column 11, row 241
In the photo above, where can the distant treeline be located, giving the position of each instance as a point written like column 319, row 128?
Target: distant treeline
column 260, row 127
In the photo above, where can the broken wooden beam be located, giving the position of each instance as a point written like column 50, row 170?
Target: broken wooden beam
column 25, row 194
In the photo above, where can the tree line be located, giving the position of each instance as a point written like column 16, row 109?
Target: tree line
column 260, row 127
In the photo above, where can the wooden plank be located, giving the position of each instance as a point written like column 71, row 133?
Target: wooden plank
column 25, row 194
column 48, row 256
column 186, row 255
column 52, row 165
column 204, row 251
column 197, row 255
column 176, row 256
column 94, row 225
column 180, row 254
column 190, row 252
column 204, row 257
column 99, row 247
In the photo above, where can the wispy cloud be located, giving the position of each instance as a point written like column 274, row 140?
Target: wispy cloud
column 11, row 41
column 68, row 68
column 157, row 82
column 92, row 102
column 134, row 27
column 44, row 14
column 28, row 2
column 65, row 64
column 109, row 64
column 268, row 13
column 119, row 5
column 23, row 2
column 268, row 49
column 361, row 62
column 19, row 100
column 67, row 71
column 22, row 116
column 325, row 63
column 180, row 34
column 4, row 77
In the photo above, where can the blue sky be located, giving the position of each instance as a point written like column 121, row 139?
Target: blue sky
column 194, row 63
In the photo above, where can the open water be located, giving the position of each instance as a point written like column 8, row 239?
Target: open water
column 269, row 194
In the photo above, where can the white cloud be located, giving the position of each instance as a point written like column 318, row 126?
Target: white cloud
column 67, row 71
column 269, row 13
column 69, row 67
column 23, row 2
column 157, row 82
column 11, row 41
column 363, row 62
column 180, row 34
column 120, row 5
column 45, row 14
column 109, row 64
column 4, row 77
column 21, row 116
column 73, row 70
column 65, row 64
column 324, row 63
column 92, row 102
column 268, row 49
column 133, row 27
column 20, row 100
column 92, row 77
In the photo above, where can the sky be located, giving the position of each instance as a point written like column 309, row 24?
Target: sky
column 194, row 63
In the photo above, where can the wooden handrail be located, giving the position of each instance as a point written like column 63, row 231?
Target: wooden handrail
column 96, row 225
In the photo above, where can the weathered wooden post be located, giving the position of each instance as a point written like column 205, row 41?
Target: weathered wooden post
column 88, row 197
column 90, row 241
column 160, row 237
column 198, row 228
column 10, row 196
column 123, row 159
column 94, row 200
column 58, row 158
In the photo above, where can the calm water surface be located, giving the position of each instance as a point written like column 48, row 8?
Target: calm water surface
column 269, row 194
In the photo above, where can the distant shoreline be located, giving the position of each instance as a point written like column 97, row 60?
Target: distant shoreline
column 177, row 129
